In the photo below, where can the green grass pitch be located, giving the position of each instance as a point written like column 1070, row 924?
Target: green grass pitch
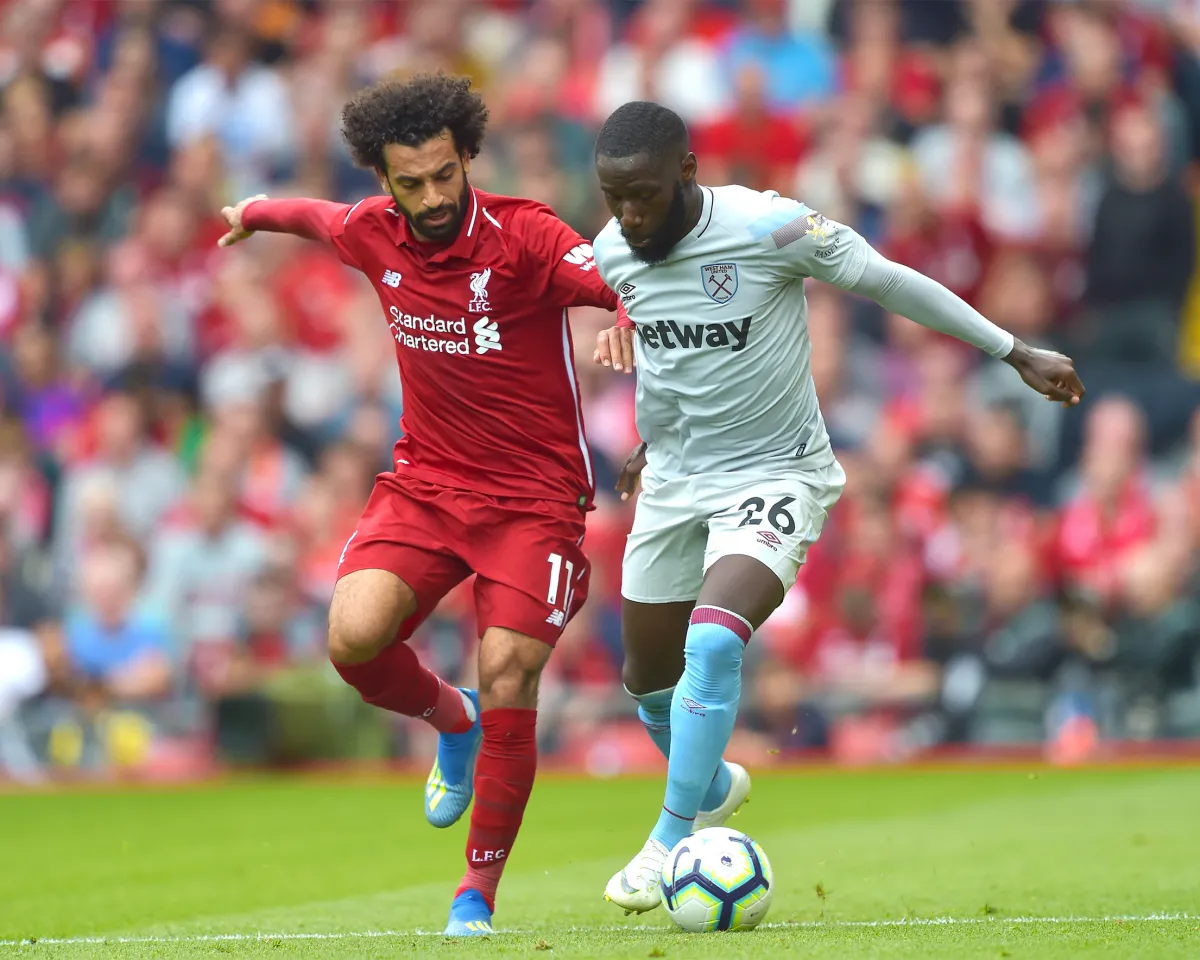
column 952, row 863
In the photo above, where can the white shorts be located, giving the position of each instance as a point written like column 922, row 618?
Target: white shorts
column 682, row 527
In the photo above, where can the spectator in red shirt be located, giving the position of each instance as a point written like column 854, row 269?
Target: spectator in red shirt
column 750, row 144
column 1112, row 513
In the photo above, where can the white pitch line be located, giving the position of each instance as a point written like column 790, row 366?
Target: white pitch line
column 801, row 924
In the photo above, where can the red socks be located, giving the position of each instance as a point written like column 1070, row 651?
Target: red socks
column 504, row 776
column 396, row 681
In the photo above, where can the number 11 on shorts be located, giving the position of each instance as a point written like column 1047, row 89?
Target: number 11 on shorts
column 556, row 568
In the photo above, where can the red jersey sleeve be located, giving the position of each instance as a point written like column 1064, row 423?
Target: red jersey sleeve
column 561, row 263
column 321, row 220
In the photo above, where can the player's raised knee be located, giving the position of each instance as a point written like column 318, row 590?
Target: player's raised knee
column 366, row 613
column 510, row 664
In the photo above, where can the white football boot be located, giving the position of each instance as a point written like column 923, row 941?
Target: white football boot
column 739, row 793
column 636, row 888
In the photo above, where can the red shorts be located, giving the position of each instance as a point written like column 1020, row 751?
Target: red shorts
column 527, row 555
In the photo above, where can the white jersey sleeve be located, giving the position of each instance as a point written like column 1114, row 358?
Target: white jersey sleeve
column 809, row 244
column 801, row 242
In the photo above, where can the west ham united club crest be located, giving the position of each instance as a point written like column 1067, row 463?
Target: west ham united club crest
column 720, row 281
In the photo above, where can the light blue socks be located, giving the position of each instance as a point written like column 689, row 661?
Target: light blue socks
column 703, row 712
column 654, row 710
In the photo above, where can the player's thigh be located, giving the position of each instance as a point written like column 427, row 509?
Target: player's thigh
column 532, row 575
column 664, row 553
column 758, row 542
column 510, row 665
column 393, row 572
column 653, row 635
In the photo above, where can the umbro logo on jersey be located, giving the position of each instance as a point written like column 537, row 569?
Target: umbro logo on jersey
column 392, row 278
column 669, row 334
column 626, row 293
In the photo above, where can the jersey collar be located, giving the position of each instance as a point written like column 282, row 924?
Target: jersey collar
column 706, row 214
column 462, row 246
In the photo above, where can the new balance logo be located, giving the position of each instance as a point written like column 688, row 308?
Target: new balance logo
column 487, row 335
column 392, row 278
column 692, row 336
column 582, row 256
column 557, row 618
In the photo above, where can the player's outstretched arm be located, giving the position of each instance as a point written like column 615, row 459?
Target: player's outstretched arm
column 306, row 218
column 903, row 290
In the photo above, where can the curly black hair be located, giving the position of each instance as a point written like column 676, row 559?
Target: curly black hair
column 411, row 112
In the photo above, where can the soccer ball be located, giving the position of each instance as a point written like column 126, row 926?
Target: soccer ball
column 717, row 879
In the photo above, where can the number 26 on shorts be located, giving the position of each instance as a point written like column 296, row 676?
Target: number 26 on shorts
column 777, row 515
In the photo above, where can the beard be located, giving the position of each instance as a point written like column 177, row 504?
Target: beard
column 439, row 232
column 663, row 240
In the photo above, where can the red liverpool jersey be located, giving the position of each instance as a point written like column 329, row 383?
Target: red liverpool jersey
column 491, row 402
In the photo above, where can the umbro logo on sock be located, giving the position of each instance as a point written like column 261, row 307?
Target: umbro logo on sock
column 692, row 706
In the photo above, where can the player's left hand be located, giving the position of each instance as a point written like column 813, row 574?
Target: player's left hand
column 614, row 347
column 233, row 217
column 630, row 479
column 1049, row 373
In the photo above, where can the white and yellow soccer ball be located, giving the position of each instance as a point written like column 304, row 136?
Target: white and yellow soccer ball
column 717, row 879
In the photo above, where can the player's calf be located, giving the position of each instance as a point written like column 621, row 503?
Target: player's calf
column 510, row 664
column 368, row 609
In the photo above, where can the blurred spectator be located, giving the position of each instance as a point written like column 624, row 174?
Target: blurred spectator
column 1021, row 624
column 662, row 59
column 1143, row 248
column 967, row 165
column 142, row 481
column 1158, row 637
column 750, row 145
column 244, row 103
column 799, row 67
column 118, row 654
column 1112, row 514
column 201, row 568
column 1016, row 294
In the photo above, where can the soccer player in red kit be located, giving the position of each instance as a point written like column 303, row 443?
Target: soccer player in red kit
column 492, row 475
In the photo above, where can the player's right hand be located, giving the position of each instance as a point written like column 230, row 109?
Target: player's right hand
column 614, row 347
column 630, row 480
column 233, row 217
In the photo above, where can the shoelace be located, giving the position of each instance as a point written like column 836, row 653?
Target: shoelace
column 649, row 862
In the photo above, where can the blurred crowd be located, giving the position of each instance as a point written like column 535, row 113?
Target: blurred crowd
column 187, row 435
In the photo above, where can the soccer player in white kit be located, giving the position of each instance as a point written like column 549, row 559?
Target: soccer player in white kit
column 739, row 475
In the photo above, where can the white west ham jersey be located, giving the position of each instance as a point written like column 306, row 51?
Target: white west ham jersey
column 724, row 381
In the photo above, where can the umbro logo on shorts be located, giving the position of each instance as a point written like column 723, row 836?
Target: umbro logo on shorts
column 767, row 538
